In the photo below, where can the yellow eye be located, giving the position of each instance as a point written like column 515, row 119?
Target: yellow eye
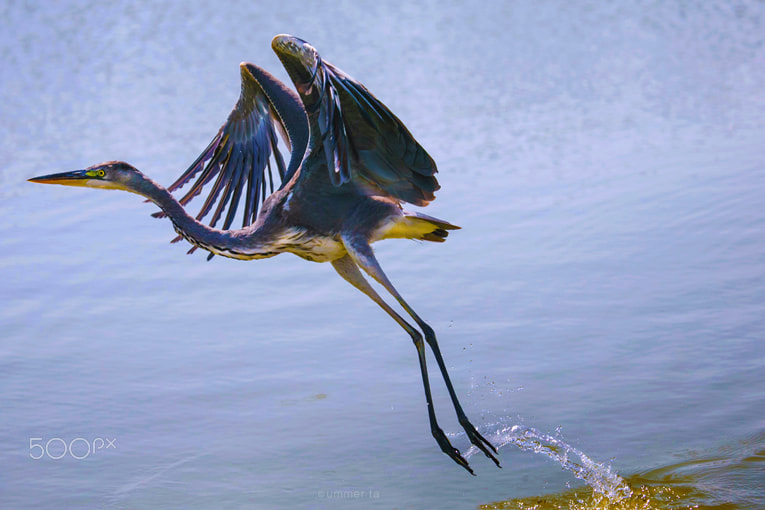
column 101, row 173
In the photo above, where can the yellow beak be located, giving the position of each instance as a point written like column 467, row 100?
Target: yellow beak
column 76, row 178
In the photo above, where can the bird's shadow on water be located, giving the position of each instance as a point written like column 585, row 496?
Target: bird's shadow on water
column 704, row 481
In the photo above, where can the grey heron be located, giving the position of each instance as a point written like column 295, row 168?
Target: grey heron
column 352, row 163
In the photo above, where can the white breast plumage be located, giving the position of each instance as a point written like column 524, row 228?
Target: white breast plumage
column 305, row 244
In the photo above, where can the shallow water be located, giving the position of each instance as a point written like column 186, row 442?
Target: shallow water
column 727, row 479
column 605, row 163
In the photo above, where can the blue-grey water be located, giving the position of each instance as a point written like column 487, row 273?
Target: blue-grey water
column 605, row 160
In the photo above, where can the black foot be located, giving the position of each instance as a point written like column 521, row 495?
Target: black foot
column 479, row 441
column 449, row 450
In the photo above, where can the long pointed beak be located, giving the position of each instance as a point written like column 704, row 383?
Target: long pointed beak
column 76, row 178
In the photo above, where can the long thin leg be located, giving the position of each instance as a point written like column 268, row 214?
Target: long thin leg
column 362, row 254
column 348, row 269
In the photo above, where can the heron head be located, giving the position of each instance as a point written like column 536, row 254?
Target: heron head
column 300, row 59
column 109, row 175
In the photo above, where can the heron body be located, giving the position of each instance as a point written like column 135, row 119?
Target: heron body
column 352, row 164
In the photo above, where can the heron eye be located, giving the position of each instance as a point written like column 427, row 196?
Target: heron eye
column 101, row 173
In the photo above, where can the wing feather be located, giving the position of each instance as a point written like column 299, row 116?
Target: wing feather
column 241, row 153
column 364, row 140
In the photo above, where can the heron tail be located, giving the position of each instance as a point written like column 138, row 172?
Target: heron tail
column 414, row 225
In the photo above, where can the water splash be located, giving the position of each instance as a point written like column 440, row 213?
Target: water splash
column 726, row 478
column 598, row 476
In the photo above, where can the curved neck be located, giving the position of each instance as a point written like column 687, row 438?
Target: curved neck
column 229, row 243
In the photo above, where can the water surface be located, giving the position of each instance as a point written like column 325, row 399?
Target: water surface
column 605, row 163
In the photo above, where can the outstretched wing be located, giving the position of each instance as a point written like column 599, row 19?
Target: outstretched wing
column 245, row 153
column 364, row 140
